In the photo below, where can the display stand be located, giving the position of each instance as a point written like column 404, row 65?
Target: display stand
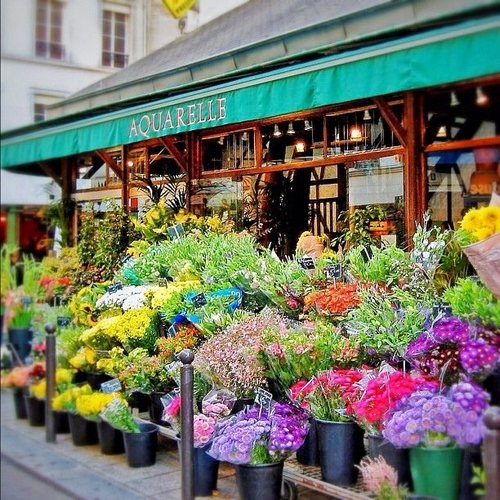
column 294, row 474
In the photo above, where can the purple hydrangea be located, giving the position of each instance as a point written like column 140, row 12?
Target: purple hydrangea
column 451, row 328
column 281, row 431
column 439, row 419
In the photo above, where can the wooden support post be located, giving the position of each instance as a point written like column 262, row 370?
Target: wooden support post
column 492, row 453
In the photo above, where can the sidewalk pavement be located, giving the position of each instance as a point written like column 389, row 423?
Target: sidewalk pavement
column 83, row 472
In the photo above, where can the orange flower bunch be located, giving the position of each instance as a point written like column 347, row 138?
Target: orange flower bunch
column 187, row 336
column 335, row 299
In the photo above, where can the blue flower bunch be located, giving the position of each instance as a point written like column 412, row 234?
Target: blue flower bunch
column 439, row 419
column 259, row 436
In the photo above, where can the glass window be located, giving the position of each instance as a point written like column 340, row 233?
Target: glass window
column 48, row 31
column 229, row 151
column 39, row 112
column 114, row 28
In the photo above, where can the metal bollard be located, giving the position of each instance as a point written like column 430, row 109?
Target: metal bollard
column 491, row 447
column 186, row 356
column 50, row 378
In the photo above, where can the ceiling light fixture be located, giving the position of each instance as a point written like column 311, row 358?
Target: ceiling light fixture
column 307, row 125
column 481, row 97
column 277, row 131
column 454, row 99
column 367, row 117
column 291, row 130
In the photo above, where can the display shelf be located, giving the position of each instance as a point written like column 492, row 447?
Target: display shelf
column 309, row 476
column 294, row 473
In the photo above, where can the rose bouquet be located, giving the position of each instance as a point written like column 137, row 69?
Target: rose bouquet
column 383, row 390
column 329, row 396
column 260, row 436
column 452, row 348
column 430, row 418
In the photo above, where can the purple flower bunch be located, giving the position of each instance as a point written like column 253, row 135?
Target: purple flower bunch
column 257, row 436
column 438, row 419
column 453, row 347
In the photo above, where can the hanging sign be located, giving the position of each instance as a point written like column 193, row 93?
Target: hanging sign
column 178, row 8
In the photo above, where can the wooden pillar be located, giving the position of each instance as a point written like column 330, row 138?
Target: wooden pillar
column 415, row 170
column 492, row 453
column 68, row 181
column 125, row 184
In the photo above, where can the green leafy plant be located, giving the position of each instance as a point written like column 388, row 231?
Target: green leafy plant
column 471, row 299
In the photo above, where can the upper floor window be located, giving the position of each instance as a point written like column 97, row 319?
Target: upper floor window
column 41, row 101
column 49, row 15
column 114, row 29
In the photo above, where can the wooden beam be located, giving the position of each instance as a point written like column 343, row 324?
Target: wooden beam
column 47, row 168
column 172, row 149
column 107, row 158
column 415, row 166
column 389, row 116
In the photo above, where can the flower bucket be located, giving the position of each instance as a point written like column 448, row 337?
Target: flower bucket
column 83, row 431
column 340, row 448
column 110, row 439
column 35, row 409
column 259, row 482
column 308, row 453
column 140, row 447
column 398, row 458
column 61, row 422
column 485, row 257
column 206, row 471
column 436, row 471
column 18, row 394
column 20, row 344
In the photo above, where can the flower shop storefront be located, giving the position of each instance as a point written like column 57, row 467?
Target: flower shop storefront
column 351, row 358
column 292, row 149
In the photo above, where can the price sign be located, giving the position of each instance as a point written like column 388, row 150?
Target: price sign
column 176, row 231
column 263, row 398
column 307, row 262
column 440, row 309
column 334, row 271
column 199, row 300
column 171, row 331
column 114, row 288
column 63, row 321
column 112, row 385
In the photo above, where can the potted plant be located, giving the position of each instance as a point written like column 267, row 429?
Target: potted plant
column 20, row 315
column 329, row 397
column 257, row 441
column 431, row 424
column 140, row 439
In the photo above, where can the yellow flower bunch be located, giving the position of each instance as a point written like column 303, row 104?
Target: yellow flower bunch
column 64, row 378
column 158, row 296
column 38, row 389
column 86, row 357
column 82, row 303
column 481, row 223
column 66, row 400
column 91, row 405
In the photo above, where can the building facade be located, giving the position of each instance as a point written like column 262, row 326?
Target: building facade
column 50, row 49
column 333, row 108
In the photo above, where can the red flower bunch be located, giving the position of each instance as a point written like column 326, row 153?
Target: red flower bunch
column 55, row 285
column 330, row 395
column 383, row 394
column 335, row 299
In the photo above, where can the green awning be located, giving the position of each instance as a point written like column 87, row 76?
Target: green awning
column 438, row 57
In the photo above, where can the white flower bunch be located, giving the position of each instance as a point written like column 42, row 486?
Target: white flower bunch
column 128, row 297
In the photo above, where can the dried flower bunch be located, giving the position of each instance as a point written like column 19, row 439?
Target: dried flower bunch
column 230, row 358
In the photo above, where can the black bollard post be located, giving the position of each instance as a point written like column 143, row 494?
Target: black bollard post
column 491, row 452
column 50, row 378
column 186, row 356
